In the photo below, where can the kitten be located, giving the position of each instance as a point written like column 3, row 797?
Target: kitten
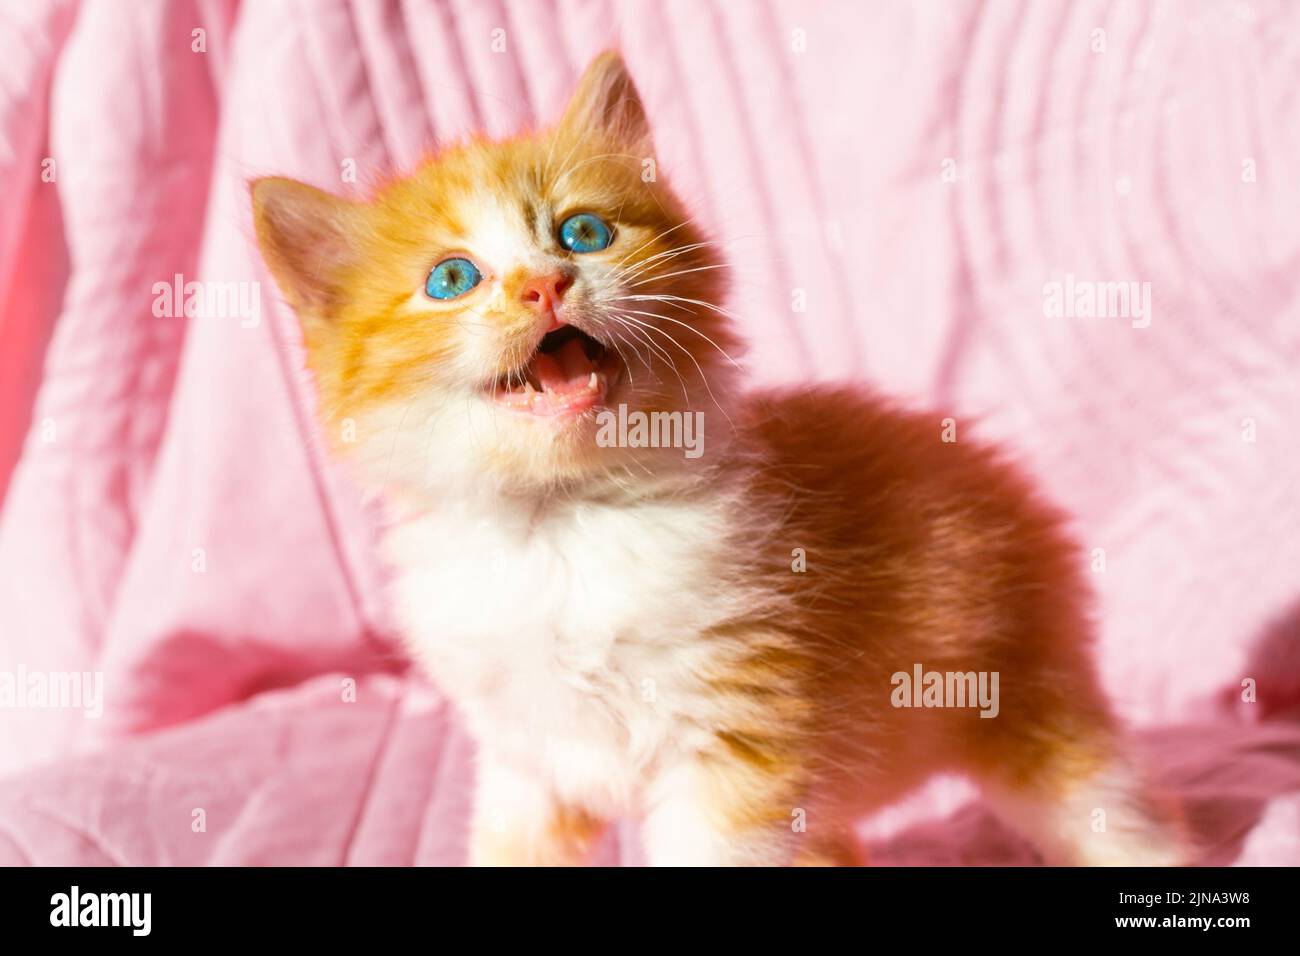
column 714, row 642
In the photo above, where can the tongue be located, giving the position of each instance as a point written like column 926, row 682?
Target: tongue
column 564, row 369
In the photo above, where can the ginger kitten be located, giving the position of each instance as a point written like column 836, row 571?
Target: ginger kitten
column 717, row 641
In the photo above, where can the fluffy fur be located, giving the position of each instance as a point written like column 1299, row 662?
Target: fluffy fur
column 627, row 630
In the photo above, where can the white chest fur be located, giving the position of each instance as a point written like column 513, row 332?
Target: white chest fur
column 569, row 635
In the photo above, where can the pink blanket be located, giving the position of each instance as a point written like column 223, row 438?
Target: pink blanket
column 902, row 189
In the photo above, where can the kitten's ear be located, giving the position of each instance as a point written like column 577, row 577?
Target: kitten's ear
column 308, row 239
column 606, row 101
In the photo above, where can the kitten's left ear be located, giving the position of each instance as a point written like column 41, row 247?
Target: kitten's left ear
column 606, row 101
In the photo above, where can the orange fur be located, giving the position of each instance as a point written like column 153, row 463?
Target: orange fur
column 368, row 346
column 918, row 550
column 564, row 837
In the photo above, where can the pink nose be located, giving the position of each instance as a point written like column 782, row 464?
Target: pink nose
column 543, row 294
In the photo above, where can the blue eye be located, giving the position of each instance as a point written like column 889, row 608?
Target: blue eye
column 452, row 277
column 585, row 233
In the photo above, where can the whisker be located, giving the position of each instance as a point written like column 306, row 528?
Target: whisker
column 648, row 262
column 672, row 253
column 677, row 298
column 653, row 239
column 625, row 320
column 626, row 364
column 637, row 352
column 670, row 275
column 703, row 378
column 688, row 327
column 632, row 330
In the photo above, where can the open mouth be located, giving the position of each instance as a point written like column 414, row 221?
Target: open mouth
column 569, row 373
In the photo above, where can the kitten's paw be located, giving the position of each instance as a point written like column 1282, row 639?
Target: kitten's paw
column 1111, row 818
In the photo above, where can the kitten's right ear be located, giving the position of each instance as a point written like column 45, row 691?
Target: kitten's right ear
column 308, row 239
column 606, row 101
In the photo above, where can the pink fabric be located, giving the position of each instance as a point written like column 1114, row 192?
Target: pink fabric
column 1153, row 142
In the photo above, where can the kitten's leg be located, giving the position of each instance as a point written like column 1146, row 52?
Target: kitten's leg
column 715, row 810
column 1054, row 764
column 518, row 822
column 1108, row 815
